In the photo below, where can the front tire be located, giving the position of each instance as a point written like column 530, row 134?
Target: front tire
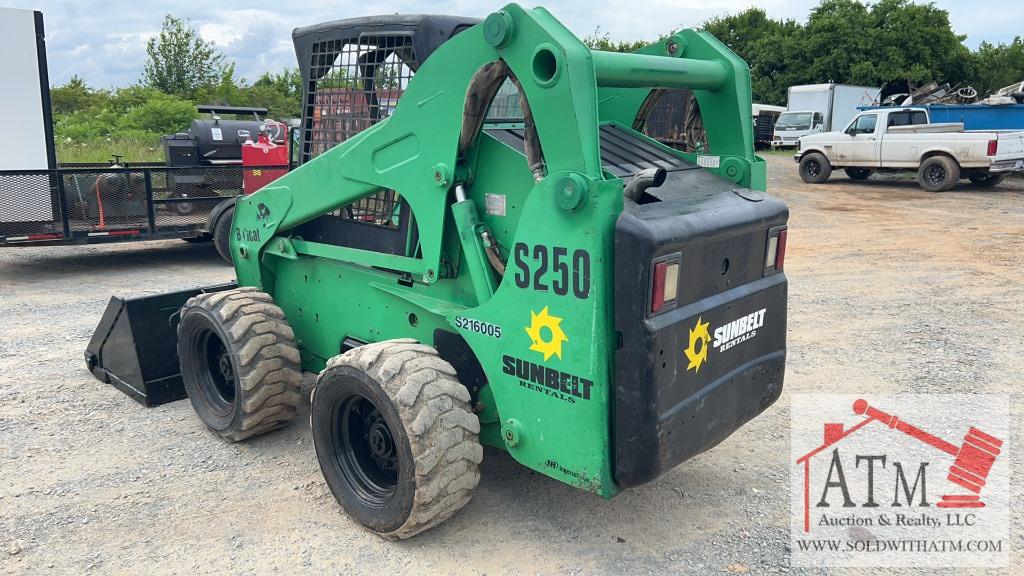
column 858, row 173
column 239, row 362
column 395, row 437
column 938, row 174
column 986, row 179
column 815, row 168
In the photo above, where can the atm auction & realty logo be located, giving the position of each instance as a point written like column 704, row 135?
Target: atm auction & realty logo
column 907, row 481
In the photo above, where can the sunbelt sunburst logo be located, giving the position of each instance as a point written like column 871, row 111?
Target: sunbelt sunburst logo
column 546, row 338
column 724, row 337
column 546, row 334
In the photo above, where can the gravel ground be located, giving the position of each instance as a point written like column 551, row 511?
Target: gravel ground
column 892, row 290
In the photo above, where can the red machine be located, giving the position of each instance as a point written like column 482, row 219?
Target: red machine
column 973, row 459
column 270, row 149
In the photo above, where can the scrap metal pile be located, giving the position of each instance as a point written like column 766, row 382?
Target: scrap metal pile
column 901, row 93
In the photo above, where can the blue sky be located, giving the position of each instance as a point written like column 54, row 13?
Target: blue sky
column 104, row 42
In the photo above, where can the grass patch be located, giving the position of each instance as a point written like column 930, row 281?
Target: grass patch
column 104, row 149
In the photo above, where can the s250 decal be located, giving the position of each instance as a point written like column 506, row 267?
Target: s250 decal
column 570, row 273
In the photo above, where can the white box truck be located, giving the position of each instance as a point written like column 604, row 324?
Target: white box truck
column 816, row 108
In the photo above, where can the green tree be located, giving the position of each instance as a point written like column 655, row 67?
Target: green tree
column 767, row 45
column 280, row 94
column 75, row 95
column 998, row 65
column 599, row 40
column 891, row 40
column 160, row 114
column 847, row 42
column 179, row 61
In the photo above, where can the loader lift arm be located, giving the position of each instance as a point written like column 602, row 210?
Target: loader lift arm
column 562, row 80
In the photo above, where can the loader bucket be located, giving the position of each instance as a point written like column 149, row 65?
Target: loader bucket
column 134, row 347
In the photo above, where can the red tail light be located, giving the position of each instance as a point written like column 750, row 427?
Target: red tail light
column 658, row 287
column 775, row 255
column 993, row 145
column 780, row 251
column 664, row 284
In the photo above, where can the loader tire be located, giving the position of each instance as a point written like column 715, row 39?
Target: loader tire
column 938, row 174
column 239, row 362
column 395, row 437
column 222, row 234
column 815, row 168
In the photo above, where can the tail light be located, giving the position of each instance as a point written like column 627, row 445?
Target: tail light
column 775, row 254
column 993, row 145
column 664, row 284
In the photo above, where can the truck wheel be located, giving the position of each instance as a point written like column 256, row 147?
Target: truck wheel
column 815, row 168
column 395, row 437
column 986, row 179
column 858, row 173
column 938, row 174
column 222, row 234
column 239, row 362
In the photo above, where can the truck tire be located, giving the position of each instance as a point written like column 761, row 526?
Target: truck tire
column 986, row 179
column 395, row 437
column 938, row 174
column 815, row 168
column 858, row 173
column 222, row 234
column 239, row 362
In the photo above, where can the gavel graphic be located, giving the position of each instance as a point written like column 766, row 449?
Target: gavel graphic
column 973, row 460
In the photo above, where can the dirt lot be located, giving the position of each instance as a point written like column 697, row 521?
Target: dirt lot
column 892, row 290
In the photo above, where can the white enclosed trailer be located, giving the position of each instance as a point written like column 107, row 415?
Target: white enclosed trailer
column 25, row 100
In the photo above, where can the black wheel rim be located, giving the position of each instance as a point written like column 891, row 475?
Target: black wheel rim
column 216, row 373
column 935, row 174
column 365, row 451
column 812, row 168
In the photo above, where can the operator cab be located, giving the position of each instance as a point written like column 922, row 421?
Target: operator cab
column 353, row 73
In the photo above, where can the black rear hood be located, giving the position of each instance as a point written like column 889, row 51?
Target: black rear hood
column 666, row 409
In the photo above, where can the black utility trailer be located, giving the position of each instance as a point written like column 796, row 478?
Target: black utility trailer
column 190, row 195
column 96, row 203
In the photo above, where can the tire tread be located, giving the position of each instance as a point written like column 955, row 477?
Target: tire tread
column 438, row 421
column 268, row 361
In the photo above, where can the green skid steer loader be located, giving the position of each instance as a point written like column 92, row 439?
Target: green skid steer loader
column 481, row 247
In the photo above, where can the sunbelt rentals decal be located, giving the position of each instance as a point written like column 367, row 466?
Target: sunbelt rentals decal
column 535, row 373
column 725, row 337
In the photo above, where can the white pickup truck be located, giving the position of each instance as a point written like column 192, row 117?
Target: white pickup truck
column 889, row 140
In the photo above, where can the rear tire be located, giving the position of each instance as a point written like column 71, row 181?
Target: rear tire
column 858, row 173
column 938, row 174
column 239, row 362
column 395, row 437
column 986, row 179
column 815, row 168
column 222, row 234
